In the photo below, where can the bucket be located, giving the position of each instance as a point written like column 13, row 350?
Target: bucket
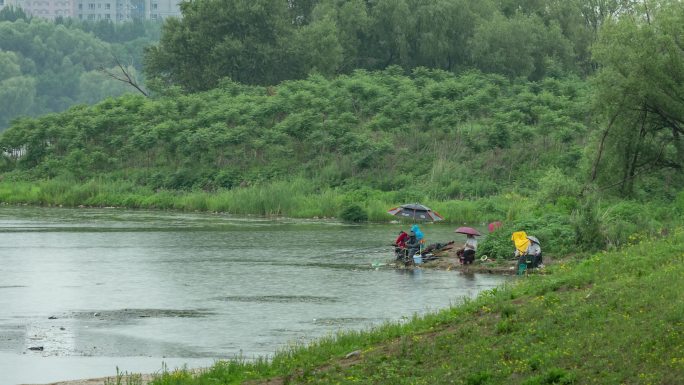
column 417, row 259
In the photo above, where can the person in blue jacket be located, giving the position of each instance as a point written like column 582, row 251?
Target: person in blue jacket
column 416, row 230
column 419, row 235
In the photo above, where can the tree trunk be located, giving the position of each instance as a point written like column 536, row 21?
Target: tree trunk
column 594, row 169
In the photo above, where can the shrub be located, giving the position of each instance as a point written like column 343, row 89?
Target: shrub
column 498, row 244
column 553, row 230
column 587, row 226
column 555, row 185
column 354, row 213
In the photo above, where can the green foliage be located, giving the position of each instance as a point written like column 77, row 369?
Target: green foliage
column 587, row 227
column 47, row 67
column 498, row 244
column 557, row 188
column 680, row 202
column 267, row 41
column 353, row 213
column 638, row 97
column 12, row 13
column 384, row 130
column 553, row 376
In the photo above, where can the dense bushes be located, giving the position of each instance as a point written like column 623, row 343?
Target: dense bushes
column 353, row 213
column 429, row 132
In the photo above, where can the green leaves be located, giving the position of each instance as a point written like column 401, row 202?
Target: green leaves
column 640, row 95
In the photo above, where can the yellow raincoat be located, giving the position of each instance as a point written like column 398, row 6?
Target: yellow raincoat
column 521, row 241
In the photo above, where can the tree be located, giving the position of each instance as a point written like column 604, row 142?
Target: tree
column 317, row 48
column 17, row 95
column 9, row 65
column 239, row 39
column 391, row 23
column 640, row 95
column 12, row 13
column 506, row 46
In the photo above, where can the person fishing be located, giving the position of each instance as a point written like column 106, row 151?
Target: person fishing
column 469, row 249
column 419, row 236
column 527, row 250
column 534, row 252
column 400, row 245
column 401, row 239
column 412, row 245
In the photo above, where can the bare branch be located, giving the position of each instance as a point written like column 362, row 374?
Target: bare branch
column 125, row 76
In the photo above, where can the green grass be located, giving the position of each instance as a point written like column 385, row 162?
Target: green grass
column 610, row 318
column 297, row 198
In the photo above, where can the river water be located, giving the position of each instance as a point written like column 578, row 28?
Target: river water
column 101, row 288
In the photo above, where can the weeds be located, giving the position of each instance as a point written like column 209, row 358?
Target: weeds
column 124, row 378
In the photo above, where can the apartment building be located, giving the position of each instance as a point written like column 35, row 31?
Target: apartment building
column 161, row 9
column 114, row 10
column 47, row 9
column 96, row 10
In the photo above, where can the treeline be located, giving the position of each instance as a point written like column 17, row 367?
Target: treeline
column 47, row 67
column 267, row 41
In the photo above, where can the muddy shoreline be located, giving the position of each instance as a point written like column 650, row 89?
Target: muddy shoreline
column 448, row 260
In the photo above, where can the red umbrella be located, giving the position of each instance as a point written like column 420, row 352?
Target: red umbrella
column 467, row 230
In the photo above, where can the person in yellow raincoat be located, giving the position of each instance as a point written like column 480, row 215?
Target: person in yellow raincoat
column 521, row 245
column 527, row 249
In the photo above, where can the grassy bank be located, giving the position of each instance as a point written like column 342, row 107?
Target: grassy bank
column 298, row 198
column 610, row 318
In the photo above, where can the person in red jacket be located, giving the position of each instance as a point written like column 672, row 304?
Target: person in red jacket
column 401, row 239
column 400, row 245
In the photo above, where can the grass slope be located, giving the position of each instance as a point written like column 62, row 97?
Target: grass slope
column 612, row 318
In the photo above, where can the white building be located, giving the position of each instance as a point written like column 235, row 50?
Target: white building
column 161, row 9
column 46, row 9
column 95, row 10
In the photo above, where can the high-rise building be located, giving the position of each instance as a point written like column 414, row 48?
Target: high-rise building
column 95, row 10
column 47, row 9
column 161, row 9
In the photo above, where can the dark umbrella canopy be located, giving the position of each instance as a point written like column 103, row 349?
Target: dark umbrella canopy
column 415, row 211
column 467, row 231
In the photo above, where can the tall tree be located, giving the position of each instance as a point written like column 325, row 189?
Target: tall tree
column 640, row 93
column 240, row 39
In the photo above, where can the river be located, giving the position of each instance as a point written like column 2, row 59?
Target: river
column 101, row 288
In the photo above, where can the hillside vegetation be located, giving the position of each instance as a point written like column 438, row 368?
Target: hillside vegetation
column 457, row 136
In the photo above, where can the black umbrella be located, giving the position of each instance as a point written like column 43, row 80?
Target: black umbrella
column 415, row 211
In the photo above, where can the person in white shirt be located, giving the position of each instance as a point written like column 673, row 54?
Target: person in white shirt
column 533, row 254
column 469, row 249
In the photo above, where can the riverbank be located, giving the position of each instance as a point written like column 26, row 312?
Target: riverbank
column 448, row 260
column 297, row 198
column 582, row 322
